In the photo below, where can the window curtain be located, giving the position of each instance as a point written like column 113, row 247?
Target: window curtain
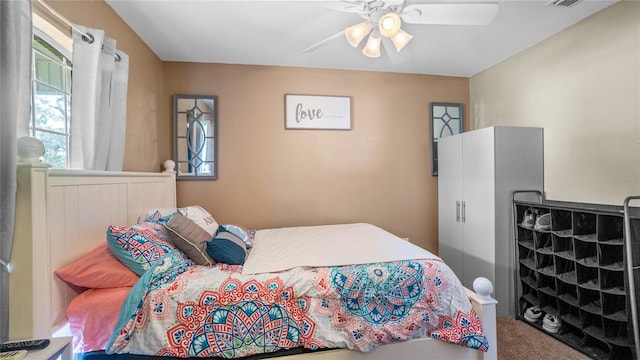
column 15, row 106
column 99, row 101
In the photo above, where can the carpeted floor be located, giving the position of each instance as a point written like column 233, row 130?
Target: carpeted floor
column 520, row 341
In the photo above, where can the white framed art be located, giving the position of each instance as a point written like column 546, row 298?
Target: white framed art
column 320, row 112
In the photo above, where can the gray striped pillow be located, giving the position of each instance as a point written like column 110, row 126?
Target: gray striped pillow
column 189, row 237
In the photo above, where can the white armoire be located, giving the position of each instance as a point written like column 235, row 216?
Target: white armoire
column 478, row 171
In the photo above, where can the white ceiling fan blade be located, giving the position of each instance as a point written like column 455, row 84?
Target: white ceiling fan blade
column 346, row 6
column 390, row 3
column 323, row 42
column 450, row 14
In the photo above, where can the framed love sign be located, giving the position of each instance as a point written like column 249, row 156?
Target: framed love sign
column 317, row 112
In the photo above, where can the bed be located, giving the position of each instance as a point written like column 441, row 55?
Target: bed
column 62, row 215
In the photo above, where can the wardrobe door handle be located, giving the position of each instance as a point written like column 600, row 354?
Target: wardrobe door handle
column 458, row 211
column 464, row 211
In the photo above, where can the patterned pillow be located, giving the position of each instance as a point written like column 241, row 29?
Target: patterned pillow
column 187, row 236
column 226, row 247
column 140, row 245
column 201, row 217
column 156, row 213
column 157, row 217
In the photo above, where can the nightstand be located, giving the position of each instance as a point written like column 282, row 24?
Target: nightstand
column 59, row 348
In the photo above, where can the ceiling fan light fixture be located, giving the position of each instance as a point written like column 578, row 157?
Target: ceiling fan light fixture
column 356, row 33
column 372, row 49
column 401, row 39
column 389, row 24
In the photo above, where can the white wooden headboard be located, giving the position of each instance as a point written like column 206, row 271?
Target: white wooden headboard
column 60, row 215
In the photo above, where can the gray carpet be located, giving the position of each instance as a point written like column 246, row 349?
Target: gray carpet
column 520, row 341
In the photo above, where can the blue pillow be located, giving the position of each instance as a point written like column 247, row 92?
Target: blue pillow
column 226, row 247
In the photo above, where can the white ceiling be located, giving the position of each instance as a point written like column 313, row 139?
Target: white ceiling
column 276, row 32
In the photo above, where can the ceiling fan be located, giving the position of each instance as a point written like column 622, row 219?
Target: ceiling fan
column 383, row 21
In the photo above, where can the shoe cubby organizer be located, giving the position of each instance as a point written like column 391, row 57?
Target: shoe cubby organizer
column 578, row 271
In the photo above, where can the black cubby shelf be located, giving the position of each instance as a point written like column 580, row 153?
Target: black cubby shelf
column 577, row 271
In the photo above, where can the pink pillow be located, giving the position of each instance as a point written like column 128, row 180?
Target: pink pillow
column 93, row 316
column 97, row 269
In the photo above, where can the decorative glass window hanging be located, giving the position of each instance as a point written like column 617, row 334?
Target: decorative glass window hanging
column 446, row 120
column 195, row 140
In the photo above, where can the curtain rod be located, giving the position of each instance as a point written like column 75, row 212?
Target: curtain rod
column 87, row 37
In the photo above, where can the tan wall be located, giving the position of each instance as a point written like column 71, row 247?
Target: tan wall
column 148, row 140
column 379, row 172
column 583, row 87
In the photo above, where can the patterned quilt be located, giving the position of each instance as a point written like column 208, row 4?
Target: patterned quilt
column 185, row 310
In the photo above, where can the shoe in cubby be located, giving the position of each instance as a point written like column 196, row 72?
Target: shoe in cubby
column 551, row 324
column 533, row 314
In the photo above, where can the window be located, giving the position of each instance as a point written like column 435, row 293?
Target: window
column 51, row 100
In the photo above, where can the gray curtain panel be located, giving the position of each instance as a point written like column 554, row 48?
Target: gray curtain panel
column 15, row 93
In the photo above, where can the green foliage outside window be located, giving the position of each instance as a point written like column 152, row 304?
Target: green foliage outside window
column 51, row 102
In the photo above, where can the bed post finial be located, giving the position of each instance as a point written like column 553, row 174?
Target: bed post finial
column 169, row 167
column 30, row 150
column 483, row 287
